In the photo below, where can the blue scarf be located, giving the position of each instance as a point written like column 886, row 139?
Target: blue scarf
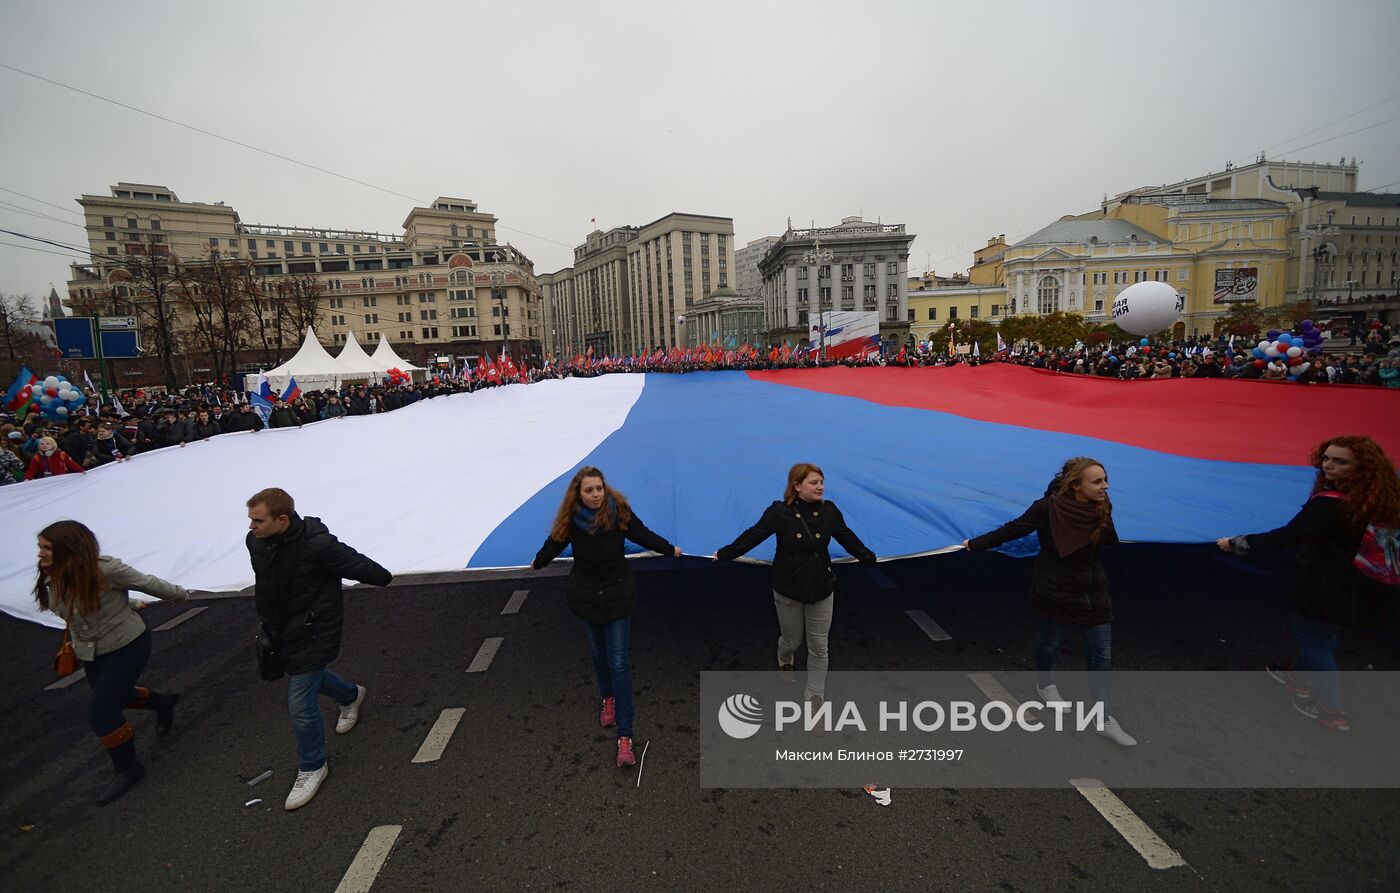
column 585, row 517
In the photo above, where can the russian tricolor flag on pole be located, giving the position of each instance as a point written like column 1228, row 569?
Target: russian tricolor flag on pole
column 293, row 390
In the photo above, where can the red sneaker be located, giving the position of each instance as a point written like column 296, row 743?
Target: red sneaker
column 625, row 756
column 609, row 715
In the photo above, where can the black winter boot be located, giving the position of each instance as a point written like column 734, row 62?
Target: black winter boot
column 122, row 749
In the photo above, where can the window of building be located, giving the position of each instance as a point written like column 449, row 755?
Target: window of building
column 371, row 318
column 933, row 313
column 848, row 272
column 107, row 221
column 892, row 268
column 952, row 312
column 132, row 224
column 974, row 312
column 996, row 310
column 1048, row 295
column 288, row 247
column 801, row 272
column 870, row 292
column 324, row 248
column 802, row 296
column 430, row 332
column 893, row 292
column 355, row 249
column 339, row 248
column 1098, row 304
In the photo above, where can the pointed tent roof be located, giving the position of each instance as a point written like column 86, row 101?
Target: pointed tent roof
column 385, row 354
column 312, row 361
column 354, row 356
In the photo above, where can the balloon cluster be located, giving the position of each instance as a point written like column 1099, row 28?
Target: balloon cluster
column 397, row 376
column 54, row 398
column 1288, row 352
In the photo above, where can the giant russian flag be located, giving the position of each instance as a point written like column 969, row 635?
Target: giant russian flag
column 918, row 460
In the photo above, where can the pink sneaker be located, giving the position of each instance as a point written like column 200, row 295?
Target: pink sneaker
column 625, row 757
column 608, row 717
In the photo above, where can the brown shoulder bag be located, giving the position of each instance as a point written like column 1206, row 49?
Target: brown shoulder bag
column 65, row 662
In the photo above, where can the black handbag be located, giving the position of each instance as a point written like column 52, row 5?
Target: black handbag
column 270, row 666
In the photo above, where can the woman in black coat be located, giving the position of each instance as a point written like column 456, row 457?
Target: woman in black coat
column 1356, row 486
column 1069, row 589
column 595, row 520
column 804, row 587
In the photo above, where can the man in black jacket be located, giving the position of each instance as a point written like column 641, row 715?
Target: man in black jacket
column 201, row 427
column 297, row 569
column 244, row 420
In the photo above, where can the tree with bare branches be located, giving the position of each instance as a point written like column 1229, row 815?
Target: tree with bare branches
column 151, row 294
column 303, row 305
column 214, row 291
column 14, row 310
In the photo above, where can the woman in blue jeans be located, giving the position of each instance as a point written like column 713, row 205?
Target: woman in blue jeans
column 89, row 591
column 596, row 520
column 1069, row 589
column 1355, row 486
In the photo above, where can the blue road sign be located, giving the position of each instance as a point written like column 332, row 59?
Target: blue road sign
column 75, row 339
column 120, row 345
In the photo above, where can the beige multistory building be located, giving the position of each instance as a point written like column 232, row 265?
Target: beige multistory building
column 445, row 284
column 630, row 288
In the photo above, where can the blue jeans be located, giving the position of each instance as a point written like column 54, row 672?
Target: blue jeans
column 1317, row 657
column 112, row 678
column 308, row 725
column 609, row 644
column 1098, row 650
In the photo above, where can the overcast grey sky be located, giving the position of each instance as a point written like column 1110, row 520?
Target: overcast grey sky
column 961, row 120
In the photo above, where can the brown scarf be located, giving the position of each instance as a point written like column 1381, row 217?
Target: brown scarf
column 1072, row 524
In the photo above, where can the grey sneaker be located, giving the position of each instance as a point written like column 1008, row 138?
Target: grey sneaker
column 350, row 715
column 1114, row 732
column 306, row 786
column 1050, row 696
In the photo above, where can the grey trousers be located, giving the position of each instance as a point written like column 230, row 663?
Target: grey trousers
column 798, row 620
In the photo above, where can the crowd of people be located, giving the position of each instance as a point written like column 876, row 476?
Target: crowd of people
column 137, row 422
column 1353, row 504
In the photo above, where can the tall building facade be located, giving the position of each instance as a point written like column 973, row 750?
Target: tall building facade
column 445, row 284
column 868, row 271
column 631, row 287
column 747, row 280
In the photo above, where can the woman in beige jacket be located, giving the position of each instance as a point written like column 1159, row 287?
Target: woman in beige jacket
column 110, row 639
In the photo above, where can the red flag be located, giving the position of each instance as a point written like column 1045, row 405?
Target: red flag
column 903, row 353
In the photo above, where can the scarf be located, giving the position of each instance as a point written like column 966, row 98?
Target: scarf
column 586, row 517
column 1072, row 524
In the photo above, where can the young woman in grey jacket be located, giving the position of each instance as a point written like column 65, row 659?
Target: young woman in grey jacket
column 110, row 639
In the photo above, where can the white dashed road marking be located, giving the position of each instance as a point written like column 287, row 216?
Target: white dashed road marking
column 517, row 599
column 1126, row 822
column 439, row 735
column 930, row 628
column 66, row 681
column 485, row 655
column 176, row 621
column 880, row 578
column 359, row 877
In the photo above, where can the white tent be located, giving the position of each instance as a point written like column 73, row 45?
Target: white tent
column 385, row 354
column 312, row 367
column 354, row 356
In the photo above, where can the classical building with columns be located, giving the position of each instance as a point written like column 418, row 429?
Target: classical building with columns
column 868, row 271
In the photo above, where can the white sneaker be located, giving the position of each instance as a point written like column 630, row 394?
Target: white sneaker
column 306, row 786
column 1114, row 732
column 350, row 715
column 1050, row 696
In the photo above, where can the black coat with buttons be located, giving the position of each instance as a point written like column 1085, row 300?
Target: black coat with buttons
column 601, row 588
column 802, row 563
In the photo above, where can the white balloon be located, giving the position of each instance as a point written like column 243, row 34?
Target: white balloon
column 1146, row 308
column 1295, row 351
column 51, row 381
column 1263, row 345
column 1272, row 350
column 62, row 410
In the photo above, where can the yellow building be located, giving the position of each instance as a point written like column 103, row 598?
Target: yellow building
column 931, row 309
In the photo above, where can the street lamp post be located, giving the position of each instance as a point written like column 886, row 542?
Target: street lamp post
column 818, row 255
column 498, row 293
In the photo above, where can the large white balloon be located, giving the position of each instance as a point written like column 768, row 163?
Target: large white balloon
column 1146, row 308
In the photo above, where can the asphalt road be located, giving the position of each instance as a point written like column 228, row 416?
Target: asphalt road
column 526, row 795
